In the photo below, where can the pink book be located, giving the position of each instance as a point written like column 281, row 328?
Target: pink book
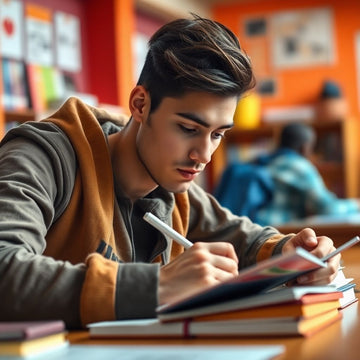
column 26, row 330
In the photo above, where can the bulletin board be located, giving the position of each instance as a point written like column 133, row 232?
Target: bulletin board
column 286, row 40
column 302, row 38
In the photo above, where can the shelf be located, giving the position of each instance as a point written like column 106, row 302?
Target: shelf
column 19, row 116
column 240, row 135
column 336, row 152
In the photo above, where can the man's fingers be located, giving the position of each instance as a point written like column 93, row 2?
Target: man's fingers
column 201, row 266
column 218, row 248
column 321, row 276
column 225, row 264
column 306, row 238
column 325, row 246
column 219, row 256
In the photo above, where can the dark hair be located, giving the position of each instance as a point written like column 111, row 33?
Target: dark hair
column 296, row 135
column 195, row 55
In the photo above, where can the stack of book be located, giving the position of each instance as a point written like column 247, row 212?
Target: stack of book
column 347, row 287
column 256, row 302
column 287, row 311
column 23, row 339
column 15, row 91
column 46, row 84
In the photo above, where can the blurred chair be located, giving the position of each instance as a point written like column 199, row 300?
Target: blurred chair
column 244, row 188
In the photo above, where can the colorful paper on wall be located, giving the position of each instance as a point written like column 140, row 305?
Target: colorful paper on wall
column 11, row 31
column 39, row 35
column 68, row 42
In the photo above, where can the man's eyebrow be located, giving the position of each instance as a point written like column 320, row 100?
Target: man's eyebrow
column 198, row 120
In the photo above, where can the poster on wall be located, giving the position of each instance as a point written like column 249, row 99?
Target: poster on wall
column 257, row 37
column 11, row 31
column 68, row 42
column 256, row 33
column 302, row 38
column 39, row 35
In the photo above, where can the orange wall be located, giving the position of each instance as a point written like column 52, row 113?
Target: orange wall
column 301, row 85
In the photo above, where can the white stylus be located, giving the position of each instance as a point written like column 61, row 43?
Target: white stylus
column 344, row 246
column 167, row 230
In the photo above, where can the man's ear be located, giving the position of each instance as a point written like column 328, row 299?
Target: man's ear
column 139, row 103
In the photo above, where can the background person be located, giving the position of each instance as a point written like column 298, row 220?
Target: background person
column 298, row 188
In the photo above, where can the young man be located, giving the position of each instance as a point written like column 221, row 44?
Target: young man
column 298, row 188
column 74, row 189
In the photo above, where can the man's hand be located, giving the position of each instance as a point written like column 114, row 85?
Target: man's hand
column 201, row 266
column 318, row 246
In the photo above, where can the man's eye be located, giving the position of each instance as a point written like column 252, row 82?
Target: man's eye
column 187, row 130
column 218, row 135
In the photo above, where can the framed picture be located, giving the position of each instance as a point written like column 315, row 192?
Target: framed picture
column 68, row 41
column 267, row 86
column 302, row 38
column 39, row 35
column 11, row 31
column 256, row 27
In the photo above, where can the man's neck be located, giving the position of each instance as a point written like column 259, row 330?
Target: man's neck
column 129, row 173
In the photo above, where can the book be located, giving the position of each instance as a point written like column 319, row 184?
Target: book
column 36, row 88
column 19, row 85
column 294, row 309
column 31, row 338
column 347, row 287
column 6, row 78
column 253, row 280
column 145, row 328
column 300, row 295
column 15, row 94
column 349, row 295
column 35, row 346
column 29, row 329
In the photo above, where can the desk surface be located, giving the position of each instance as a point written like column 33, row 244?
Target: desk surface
column 338, row 341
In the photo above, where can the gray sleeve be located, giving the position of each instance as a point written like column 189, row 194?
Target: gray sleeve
column 137, row 295
column 210, row 222
column 34, row 185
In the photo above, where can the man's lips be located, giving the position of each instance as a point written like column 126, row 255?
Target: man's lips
column 189, row 174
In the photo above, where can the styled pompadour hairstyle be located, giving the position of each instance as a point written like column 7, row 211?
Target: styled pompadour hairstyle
column 195, row 54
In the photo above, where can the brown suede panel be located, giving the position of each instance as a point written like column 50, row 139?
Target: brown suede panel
column 97, row 301
column 267, row 248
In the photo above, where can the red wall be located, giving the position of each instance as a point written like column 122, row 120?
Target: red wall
column 147, row 24
column 301, row 85
column 101, row 52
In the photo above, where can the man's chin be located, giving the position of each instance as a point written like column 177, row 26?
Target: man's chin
column 179, row 188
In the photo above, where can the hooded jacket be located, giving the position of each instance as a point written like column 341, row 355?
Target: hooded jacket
column 72, row 246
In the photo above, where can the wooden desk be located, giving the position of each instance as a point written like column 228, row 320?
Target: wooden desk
column 339, row 341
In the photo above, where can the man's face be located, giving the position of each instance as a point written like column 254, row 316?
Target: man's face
column 178, row 139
